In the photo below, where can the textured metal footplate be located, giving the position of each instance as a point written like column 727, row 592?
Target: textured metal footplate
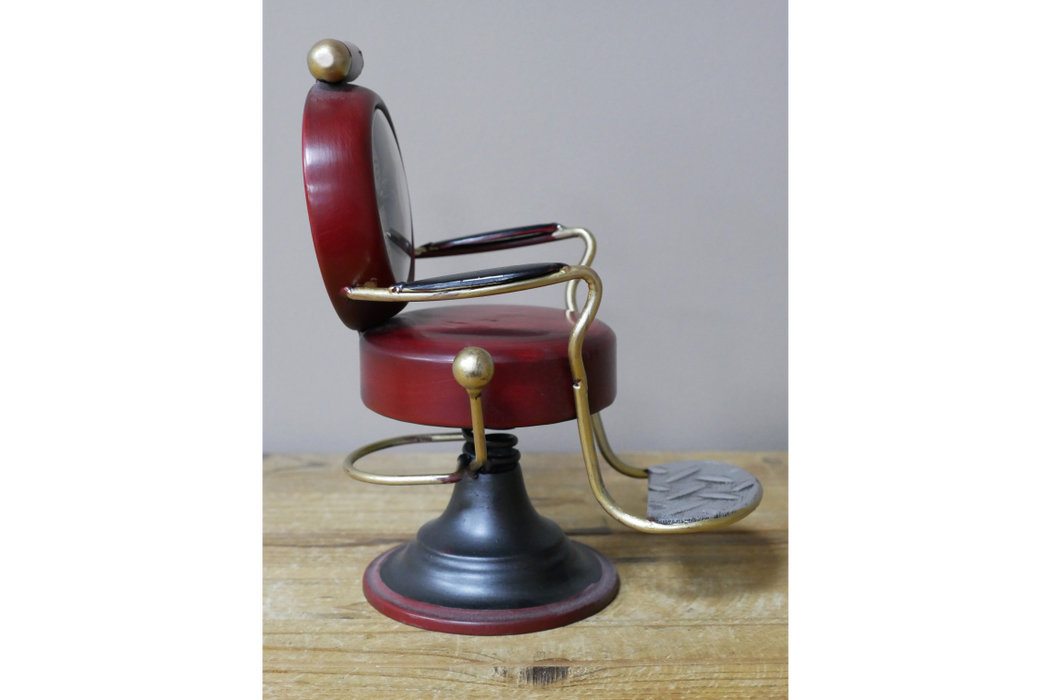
column 683, row 492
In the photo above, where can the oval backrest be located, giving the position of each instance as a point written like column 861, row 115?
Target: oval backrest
column 357, row 198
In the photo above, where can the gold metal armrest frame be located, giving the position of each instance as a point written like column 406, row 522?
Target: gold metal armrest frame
column 589, row 250
column 584, row 420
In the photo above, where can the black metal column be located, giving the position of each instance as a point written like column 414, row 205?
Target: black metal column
column 490, row 549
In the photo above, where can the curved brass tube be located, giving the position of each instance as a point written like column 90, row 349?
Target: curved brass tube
column 351, row 470
column 565, row 274
column 584, row 420
column 589, row 249
column 607, row 451
column 586, row 427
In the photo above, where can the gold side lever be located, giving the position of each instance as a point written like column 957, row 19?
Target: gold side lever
column 473, row 369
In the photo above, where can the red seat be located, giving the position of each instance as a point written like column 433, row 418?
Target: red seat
column 406, row 365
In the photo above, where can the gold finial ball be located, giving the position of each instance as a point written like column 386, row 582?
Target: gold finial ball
column 334, row 61
column 473, row 368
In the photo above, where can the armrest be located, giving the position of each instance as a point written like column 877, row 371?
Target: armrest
column 492, row 240
column 515, row 238
column 479, row 279
column 484, row 283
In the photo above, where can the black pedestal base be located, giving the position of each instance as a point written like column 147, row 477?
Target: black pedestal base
column 490, row 564
column 439, row 618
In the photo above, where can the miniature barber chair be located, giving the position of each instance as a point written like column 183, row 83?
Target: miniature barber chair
column 490, row 564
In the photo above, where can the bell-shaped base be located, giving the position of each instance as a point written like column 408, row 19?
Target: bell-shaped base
column 490, row 565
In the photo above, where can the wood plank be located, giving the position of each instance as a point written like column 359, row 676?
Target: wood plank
column 702, row 615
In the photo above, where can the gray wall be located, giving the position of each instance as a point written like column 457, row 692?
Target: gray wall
column 661, row 127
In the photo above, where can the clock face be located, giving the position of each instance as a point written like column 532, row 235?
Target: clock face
column 395, row 213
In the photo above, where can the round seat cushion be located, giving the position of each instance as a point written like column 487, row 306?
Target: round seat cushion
column 406, row 365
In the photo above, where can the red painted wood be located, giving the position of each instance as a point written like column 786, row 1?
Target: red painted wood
column 341, row 198
column 406, row 365
column 490, row 622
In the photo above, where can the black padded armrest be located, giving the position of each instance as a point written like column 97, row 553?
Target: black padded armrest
column 492, row 240
column 480, row 278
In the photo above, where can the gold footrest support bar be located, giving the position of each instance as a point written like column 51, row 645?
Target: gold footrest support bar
column 607, row 451
column 585, row 423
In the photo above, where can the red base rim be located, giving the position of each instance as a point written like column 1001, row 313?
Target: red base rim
column 438, row 618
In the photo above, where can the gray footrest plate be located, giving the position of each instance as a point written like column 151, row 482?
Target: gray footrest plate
column 684, row 492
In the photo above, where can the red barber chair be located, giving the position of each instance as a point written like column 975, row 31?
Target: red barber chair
column 490, row 564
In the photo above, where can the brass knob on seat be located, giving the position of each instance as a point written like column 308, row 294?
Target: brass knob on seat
column 334, row 61
column 473, row 369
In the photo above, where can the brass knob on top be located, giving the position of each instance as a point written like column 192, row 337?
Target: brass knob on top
column 473, row 368
column 335, row 61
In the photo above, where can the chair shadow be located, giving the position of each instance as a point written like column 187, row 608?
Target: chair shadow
column 708, row 565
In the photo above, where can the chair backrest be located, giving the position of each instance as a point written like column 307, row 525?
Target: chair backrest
column 357, row 198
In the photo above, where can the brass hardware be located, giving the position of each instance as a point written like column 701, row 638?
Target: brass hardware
column 329, row 60
column 607, row 451
column 390, row 294
column 586, row 428
column 473, row 368
column 351, row 470
column 590, row 248
column 334, row 61
column 584, row 420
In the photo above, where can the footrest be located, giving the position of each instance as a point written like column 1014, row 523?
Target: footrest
column 686, row 492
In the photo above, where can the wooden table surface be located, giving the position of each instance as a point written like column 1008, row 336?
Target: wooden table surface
column 701, row 615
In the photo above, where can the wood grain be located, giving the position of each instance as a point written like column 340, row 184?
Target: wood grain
column 702, row 615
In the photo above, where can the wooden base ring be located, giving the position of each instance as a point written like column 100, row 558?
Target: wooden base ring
column 491, row 622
